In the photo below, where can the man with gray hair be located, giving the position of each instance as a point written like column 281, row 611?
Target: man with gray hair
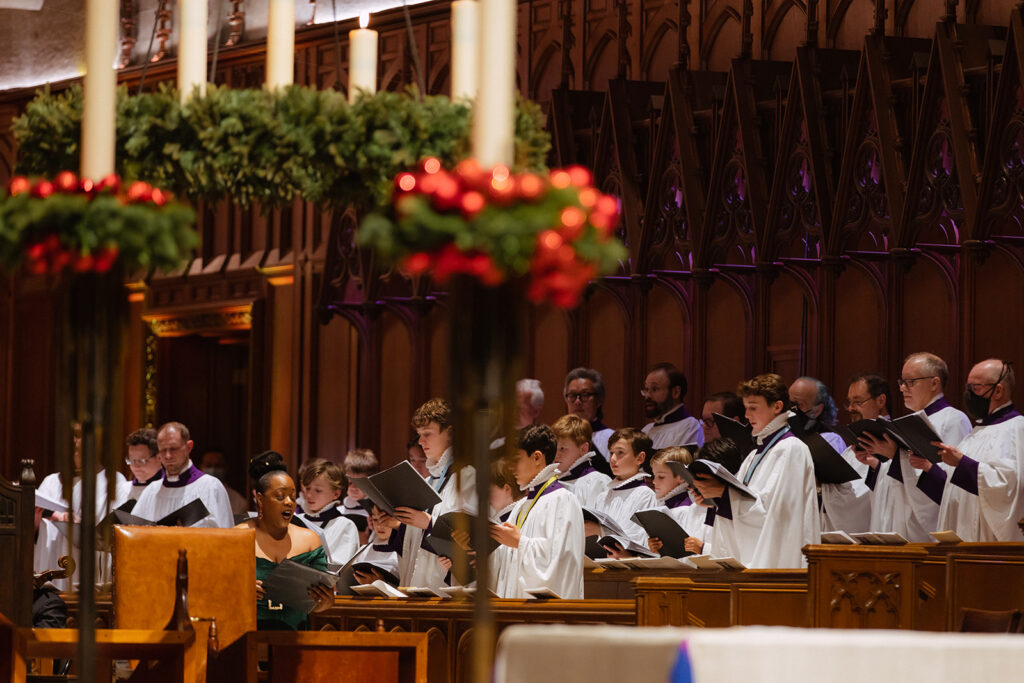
column 584, row 396
column 182, row 482
column 984, row 497
column 812, row 398
column 529, row 401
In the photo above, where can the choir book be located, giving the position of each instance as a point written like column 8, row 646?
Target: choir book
column 289, row 584
column 396, row 487
column 661, row 525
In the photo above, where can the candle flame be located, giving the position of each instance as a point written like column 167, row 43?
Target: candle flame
column 364, row 20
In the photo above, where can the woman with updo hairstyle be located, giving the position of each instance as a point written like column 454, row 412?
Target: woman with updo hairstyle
column 277, row 539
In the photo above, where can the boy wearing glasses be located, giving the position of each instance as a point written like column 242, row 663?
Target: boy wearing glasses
column 142, row 460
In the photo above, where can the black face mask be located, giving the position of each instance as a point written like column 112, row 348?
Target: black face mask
column 976, row 405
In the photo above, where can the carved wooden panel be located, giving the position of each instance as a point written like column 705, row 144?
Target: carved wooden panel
column 863, row 599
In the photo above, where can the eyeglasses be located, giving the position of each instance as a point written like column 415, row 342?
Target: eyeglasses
column 973, row 388
column 139, row 462
column 909, row 383
column 583, row 396
column 850, row 405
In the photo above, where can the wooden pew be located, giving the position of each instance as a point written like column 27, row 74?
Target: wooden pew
column 769, row 597
column 917, row 586
column 448, row 624
column 319, row 656
column 17, row 543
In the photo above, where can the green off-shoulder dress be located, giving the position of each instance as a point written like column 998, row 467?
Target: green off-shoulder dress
column 284, row 618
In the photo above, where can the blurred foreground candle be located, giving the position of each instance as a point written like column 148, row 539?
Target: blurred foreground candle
column 280, row 43
column 494, row 112
column 362, row 59
column 192, row 17
column 99, row 99
column 465, row 33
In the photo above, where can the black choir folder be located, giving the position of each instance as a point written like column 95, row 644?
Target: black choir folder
column 852, row 432
column 396, row 487
column 740, row 434
column 290, row 581
column 186, row 515
column 440, row 538
column 612, row 536
column 659, row 524
column 715, row 469
column 829, row 466
column 915, row 433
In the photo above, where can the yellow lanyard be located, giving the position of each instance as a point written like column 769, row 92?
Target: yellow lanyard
column 525, row 512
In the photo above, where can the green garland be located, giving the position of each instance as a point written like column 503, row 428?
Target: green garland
column 268, row 147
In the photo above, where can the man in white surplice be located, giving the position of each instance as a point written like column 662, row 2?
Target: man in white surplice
column 542, row 542
column 847, row 506
column 671, row 425
column 769, row 531
column 906, row 498
column 182, row 482
column 983, row 499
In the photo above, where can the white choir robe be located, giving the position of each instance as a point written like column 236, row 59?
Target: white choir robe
column 984, row 495
column 377, row 553
column 163, row 497
column 586, row 483
column 52, row 489
column 551, row 543
column 457, row 493
column 137, row 487
column 688, row 515
column 339, row 534
column 847, row 506
column 906, row 507
column 770, row 531
column 599, row 439
column 675, row 428
column 622, row 499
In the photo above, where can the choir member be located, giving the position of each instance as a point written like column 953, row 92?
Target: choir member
column 816, row 409
column 544, row 533
column 277, row 539
column 182, row 482
column 360, row 463
column 847, row 506
column 142, row 460
column 907, row 498
column 505, row 491
column 584, row 394
column 628, row 491
column 671, row 425
column 984, row 498
column 416, row 458
column 768, row 531
column 529, row 404
column 418, row 564
column 724, row 403
column 575, row 457
column 322, row 484
column 673, row 493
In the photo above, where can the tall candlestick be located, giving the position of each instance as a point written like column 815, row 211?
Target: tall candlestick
column 280, row 43
column 362, row 59
column 494, row 112
column 465, row 33
column 192, row 17
column 99, row 100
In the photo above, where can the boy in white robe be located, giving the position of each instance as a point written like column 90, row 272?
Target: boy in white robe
column 673, row 496
column 544, row 533
column 183, row 482
column 359, row 463
column 770, row 530
column 983, row 499
column 418, row 564
column 574, row 460
column 628, row 491
column 322, row 483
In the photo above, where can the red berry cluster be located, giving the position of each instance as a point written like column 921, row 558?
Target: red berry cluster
column 557, row 272
column 48, row 254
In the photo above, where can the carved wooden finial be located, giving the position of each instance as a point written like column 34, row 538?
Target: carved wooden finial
column 684, row 29
column 746, row 33
column 812, row 23
column 28, row 474
column 880, row 14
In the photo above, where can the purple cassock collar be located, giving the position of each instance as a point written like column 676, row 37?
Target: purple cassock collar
column 936, row 405
column 158, row 475
column 532, row 493
column 677, row 414
column 574, row 473
column 679, row 500
column 185, row 478
column 635, row 484
column 1005, row 413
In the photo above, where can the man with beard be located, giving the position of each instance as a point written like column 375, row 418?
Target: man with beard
column 663, row 392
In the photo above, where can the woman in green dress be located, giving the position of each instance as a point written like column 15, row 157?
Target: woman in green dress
column 277, row 539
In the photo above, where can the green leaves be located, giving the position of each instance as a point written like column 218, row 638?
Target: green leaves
column 255, row 146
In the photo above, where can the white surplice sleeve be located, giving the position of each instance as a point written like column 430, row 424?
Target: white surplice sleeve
column 550, row 552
